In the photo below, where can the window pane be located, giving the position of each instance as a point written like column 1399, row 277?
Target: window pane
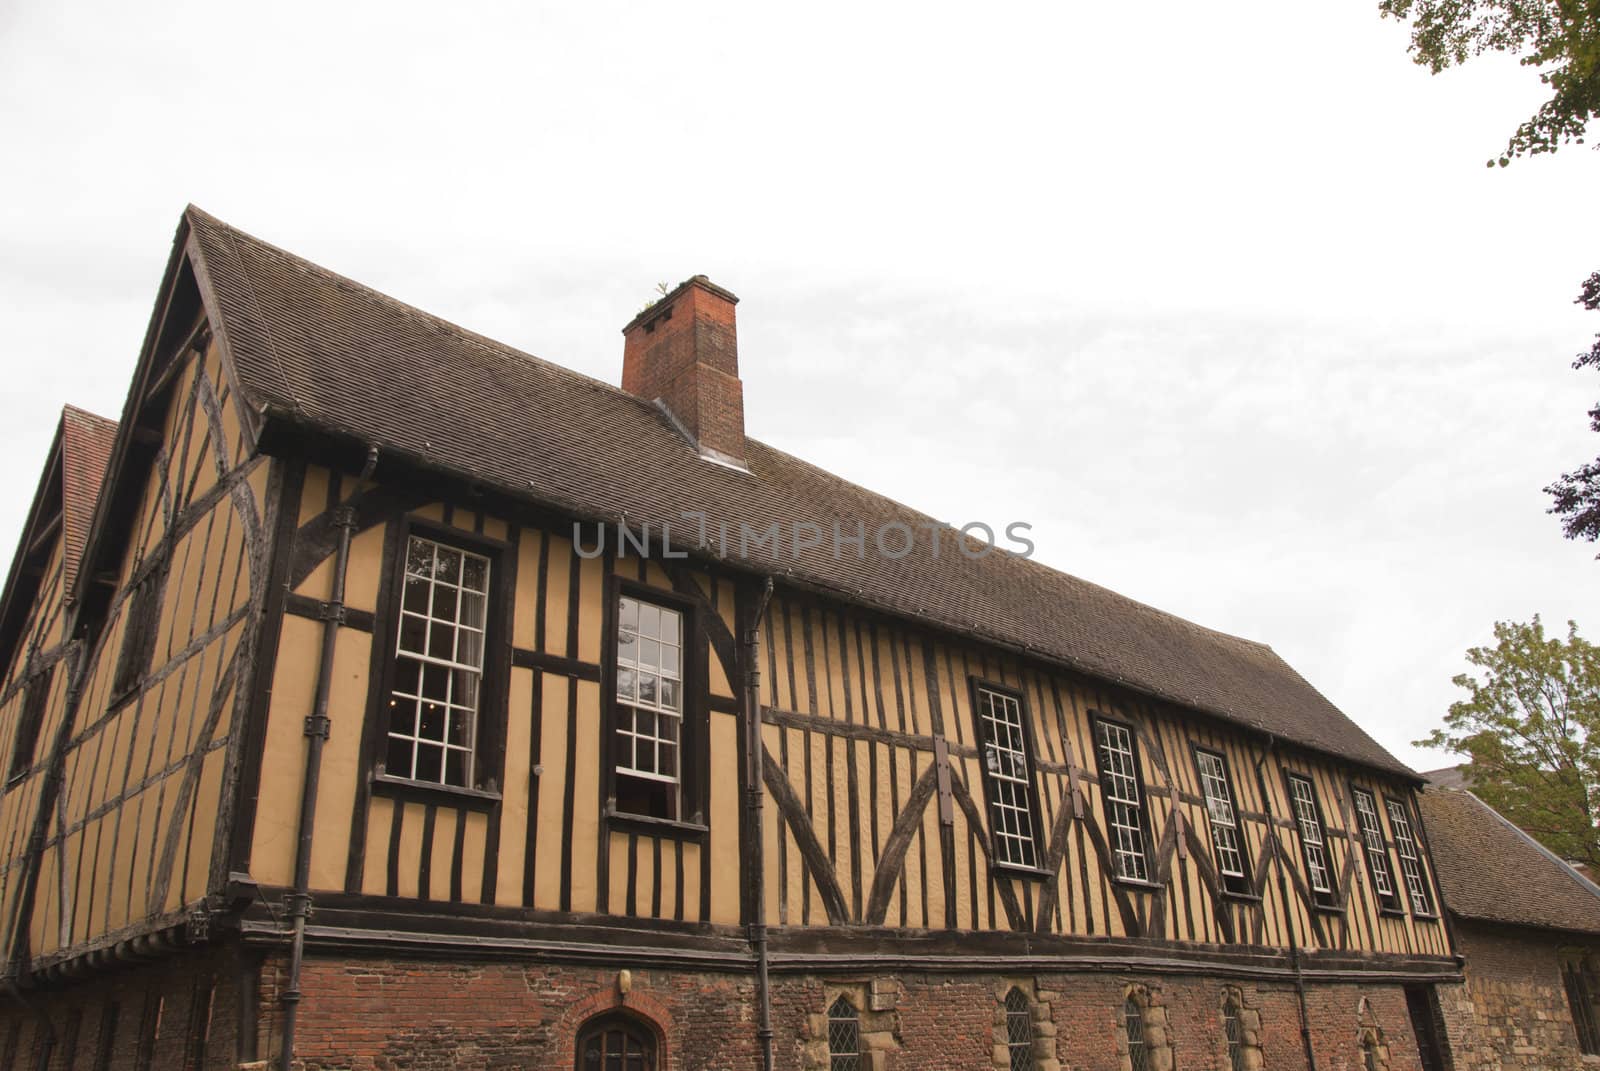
column 398, row 760
column 430, row 763
column 456, row 768
column 412, row 632
column 472, row 609
column 475, row 574
column 407, row 676
column 416, row 596
column 447, row 565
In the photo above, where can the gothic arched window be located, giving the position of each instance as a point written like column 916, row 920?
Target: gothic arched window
column 1019, row 1031
column 1234, row 1033
column 1133, row 1023
column 844, row 1036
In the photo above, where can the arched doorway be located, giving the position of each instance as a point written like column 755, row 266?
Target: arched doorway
column 616, row 1041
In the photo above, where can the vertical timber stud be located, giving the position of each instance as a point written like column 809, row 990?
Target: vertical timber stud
column 755, row 844
column 298, row 902
column 947, row 829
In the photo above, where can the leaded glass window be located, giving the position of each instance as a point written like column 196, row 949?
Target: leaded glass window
column 1124, row 808
column 1405, row 846
column 1005, row 756
column 1019, row 1031
column 1133, row 1025
column 433, row 704
column 1374, row 848
column 1233, row 1032
column 844, row 1036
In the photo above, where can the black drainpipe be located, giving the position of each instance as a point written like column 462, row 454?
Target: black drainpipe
column 1283, row 896
column 751, row 641
column 298, row 903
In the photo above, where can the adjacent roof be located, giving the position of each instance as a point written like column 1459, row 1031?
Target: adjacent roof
column 1492, row 871
column 86, row 441
column 1447, row 777
column 68, row 488
column 316, row 349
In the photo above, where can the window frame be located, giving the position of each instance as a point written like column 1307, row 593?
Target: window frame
column 142, row 609
column 694, row 728
column 1249, row 892
column 975, row 685
column 1575, row 983
column 1233, row 1031
column 1396, row 905
column 632, row 1027
column 1419, row 851
column 1096, row 719
column 493, row 683
column 1328, row 900
column 31, row 714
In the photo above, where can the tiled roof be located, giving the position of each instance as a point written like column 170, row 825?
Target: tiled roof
column 316, row 349
column 86, row 442
column 1447, row 777
column 1491, row 871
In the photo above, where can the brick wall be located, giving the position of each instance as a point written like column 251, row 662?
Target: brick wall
column 420, row 1016
column 1512, row 1013
column 378, row 1014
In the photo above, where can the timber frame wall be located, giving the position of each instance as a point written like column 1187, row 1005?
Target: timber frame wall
column 874, row 819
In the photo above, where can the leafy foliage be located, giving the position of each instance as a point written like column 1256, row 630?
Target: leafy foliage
column 1577, row 494
column 1559, row 37
column 1531, row 726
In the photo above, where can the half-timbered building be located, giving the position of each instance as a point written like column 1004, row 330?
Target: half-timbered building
column 400, row 699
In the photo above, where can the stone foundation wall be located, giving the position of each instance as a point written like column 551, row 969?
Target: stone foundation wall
column 1512, row 1012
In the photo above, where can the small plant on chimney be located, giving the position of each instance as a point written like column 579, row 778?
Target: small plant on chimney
column 662, row 289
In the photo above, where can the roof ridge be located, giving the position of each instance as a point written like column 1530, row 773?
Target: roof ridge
column 84, row 414
column 503, row 349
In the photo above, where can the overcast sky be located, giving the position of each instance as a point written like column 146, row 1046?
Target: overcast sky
column 1220, row 298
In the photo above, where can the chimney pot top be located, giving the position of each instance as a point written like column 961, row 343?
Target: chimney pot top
column 664, row 303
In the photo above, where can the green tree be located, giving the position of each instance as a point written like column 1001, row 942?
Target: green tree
column 1561, row 38
column 1577, row 493
column 1531, row 727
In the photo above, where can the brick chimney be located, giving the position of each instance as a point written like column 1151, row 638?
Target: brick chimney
column 683, row 352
